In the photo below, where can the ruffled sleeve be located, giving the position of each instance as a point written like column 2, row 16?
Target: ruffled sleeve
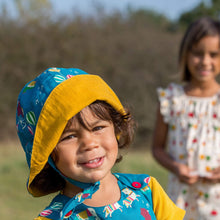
column 167, row 99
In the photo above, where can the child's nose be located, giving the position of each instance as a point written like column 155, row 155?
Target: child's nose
column 88, row 142
column 206, row 59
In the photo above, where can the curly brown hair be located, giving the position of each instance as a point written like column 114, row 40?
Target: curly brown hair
column 49, row 181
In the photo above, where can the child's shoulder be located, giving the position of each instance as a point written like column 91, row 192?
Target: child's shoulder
column 170, row 90
column 42, row 218
column 133, row 180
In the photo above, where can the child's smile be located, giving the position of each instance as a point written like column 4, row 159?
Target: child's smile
column 87, row 154
column 93, row 163
column 204, row 59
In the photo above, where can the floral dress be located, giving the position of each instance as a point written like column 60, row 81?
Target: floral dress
column 142, row 197
column 194, row 140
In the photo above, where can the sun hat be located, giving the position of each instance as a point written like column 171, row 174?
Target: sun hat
column 45, row 105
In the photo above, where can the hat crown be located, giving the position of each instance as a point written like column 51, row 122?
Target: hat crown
column 47, row 103
column 31, row 101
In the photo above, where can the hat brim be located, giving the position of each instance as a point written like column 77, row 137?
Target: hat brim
column 65, row 101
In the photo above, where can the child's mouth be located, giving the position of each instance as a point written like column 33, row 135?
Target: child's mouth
column 204, row 72
column 95, row 163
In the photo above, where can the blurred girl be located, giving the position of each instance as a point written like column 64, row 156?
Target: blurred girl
column 71, row 126
column 188, row 120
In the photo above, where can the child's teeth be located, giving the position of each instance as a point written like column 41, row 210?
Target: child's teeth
column 92, row 161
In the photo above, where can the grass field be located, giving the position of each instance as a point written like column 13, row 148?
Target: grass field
column 17, row 204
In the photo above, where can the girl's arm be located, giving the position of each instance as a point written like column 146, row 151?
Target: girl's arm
column 160, row 154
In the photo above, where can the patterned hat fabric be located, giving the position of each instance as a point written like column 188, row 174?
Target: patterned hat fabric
column 45, row 105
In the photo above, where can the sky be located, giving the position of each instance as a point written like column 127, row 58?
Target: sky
column 171, row 8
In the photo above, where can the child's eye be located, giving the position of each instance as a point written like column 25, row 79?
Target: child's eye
column 98, row 128
column 68, row 137
column 213, row 55
column 197, row 53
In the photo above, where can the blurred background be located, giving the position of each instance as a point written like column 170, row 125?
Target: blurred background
column 133, row 45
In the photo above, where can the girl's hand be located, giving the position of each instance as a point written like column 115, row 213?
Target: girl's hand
column 184, row 174
column 214, row 177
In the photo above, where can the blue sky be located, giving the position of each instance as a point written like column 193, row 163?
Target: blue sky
column 171, row 8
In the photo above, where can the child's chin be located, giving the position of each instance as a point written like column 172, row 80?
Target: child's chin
column 96, row 178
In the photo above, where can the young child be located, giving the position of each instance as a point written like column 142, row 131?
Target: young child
column 71, row 126
column 188, row 120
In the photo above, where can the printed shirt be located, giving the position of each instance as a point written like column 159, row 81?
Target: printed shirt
column 142, row 197
column 194, row 140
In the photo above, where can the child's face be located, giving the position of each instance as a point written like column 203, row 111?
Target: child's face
column 203, row 60
column 87, row 154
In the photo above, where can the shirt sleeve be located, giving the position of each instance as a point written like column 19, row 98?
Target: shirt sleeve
column 42, row 218
column 163, row 206
column 165, row 97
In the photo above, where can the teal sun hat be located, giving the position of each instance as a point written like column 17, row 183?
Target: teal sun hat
column 44, row 107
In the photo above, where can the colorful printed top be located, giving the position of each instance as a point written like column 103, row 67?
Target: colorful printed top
column 142, row 197
column 194, row 139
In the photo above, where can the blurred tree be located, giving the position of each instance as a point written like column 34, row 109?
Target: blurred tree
column 33, row 11
column 3, row 10
column 144, row 16
column 134, row 52
column 209, row 8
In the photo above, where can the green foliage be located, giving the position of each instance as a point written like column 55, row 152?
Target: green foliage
column 33, row 11
column 207, row 8
column 147, row 17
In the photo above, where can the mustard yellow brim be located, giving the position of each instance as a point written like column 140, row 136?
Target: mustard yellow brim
column 65, row 101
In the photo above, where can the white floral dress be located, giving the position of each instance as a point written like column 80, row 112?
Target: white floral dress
column 193, row 139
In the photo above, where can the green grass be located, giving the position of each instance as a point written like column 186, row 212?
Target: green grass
column 17, row 204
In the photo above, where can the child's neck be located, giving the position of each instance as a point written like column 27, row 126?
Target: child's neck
column 70, row 190
column 103, row 196
column 202, row 89
column 108, row 193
